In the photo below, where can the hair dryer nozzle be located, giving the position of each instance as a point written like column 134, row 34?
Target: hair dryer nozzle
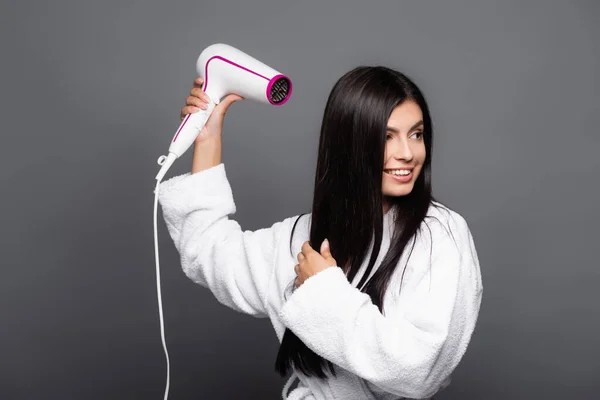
column 279, row 89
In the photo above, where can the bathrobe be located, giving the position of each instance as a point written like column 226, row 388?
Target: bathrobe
column 407, row 350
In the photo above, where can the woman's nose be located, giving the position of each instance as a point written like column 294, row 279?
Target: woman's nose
column 402, row 150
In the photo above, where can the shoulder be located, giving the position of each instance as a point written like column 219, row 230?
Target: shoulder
column 444, row 215
column 446, row 228
column 452, row 243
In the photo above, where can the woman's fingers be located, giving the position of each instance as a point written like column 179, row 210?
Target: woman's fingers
column 199, row 93
column 196, row 102
column 188, row 110
column 198, row 83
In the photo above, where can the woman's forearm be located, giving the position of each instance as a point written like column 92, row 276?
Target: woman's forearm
column 207, row 154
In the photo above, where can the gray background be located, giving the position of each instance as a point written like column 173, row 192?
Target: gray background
column 91, row 93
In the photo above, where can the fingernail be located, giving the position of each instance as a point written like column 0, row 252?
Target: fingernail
column 195, row 109
column 326, row 243
column 204, row 106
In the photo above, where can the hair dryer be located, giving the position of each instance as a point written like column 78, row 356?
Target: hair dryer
column 226, row 70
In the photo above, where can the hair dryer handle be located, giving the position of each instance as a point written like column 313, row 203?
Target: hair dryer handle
column 189, row 129
column 187, row 132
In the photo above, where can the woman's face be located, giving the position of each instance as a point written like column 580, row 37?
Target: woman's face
column 404, row 150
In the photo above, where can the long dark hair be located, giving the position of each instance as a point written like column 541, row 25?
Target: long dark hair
column 348, row 190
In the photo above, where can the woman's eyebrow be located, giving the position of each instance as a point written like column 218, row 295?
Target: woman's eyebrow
column 392, row 129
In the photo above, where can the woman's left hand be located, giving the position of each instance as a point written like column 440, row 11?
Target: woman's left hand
column 310, row 262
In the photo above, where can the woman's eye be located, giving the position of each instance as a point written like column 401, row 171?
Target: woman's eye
column 388, row 136
column 419, row 134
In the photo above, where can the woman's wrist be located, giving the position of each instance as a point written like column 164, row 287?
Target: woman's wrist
column 207, row 154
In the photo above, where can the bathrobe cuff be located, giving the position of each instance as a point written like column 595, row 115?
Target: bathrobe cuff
column 202, row 189
column 322, row 307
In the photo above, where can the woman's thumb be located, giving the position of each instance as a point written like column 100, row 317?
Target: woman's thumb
column 325, row 250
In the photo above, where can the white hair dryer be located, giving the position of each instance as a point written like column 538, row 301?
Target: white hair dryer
column 226, row 70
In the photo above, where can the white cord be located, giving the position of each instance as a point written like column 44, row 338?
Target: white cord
column 160, row 310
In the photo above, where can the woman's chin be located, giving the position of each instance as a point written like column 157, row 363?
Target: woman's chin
column 398, row 191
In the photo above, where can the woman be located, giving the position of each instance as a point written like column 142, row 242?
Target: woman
column 353, row 322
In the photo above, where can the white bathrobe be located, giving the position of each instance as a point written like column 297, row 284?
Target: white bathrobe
column 408, row 351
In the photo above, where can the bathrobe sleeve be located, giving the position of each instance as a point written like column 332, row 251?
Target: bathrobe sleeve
column 235, row 265
column 409, row 352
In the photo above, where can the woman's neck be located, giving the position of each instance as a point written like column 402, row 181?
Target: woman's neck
column 386, row 206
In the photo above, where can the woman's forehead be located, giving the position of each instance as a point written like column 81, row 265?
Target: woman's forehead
column 405, row 116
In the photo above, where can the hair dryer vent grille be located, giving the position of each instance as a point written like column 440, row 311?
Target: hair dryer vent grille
column 279, row 90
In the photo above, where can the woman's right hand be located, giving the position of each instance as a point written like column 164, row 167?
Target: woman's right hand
column 198, row 100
